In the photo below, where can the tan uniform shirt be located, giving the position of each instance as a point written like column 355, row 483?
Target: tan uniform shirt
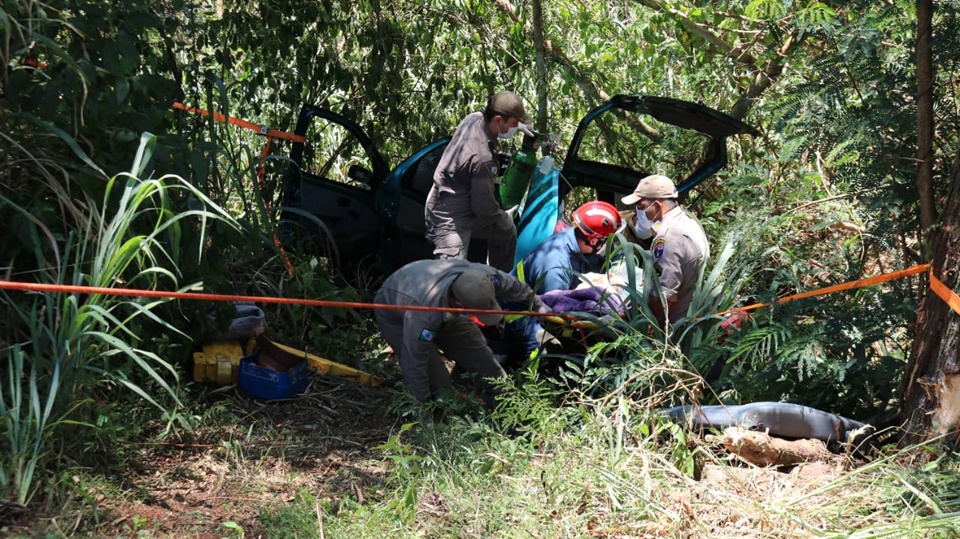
column 680, row 251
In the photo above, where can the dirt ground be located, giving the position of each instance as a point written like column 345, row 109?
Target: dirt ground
column 319, row 442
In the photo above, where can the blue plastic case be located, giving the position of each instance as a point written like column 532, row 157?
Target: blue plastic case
column 268, row 384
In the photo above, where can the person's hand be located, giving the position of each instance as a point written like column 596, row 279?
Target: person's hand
column 542, row 307
column 512, row 212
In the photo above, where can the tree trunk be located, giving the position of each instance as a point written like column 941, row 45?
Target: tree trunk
column 541, row 65
column 925, row 127
column 930, row 393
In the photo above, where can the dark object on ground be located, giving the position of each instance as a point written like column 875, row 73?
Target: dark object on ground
column 270, row 356
column 778, row 418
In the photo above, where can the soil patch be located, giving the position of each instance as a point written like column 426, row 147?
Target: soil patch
column 258, row 459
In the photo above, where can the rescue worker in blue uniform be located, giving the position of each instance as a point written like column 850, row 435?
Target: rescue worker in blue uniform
column 461, row 204
column 558, row 262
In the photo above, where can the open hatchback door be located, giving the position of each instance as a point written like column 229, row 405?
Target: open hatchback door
column 620, row 142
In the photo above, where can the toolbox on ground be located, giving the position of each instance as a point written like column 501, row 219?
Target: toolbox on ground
column 219, row 362
column 222, row 363
column 265, row 383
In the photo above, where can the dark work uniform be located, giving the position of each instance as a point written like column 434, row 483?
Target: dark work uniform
column 462, row 205
column 419, row 336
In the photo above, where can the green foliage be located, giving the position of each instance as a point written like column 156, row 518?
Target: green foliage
column 612, row 467
column 298, row 519
column 234, row 530
column 82, row 81
column 82, row 349
column 528, row 403
column 406, row 468
column 27, row 419
column 334, row 332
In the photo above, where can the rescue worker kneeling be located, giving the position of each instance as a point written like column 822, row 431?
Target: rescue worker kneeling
column 419, row 336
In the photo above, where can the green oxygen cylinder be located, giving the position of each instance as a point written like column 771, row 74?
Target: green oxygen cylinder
column 516, row 179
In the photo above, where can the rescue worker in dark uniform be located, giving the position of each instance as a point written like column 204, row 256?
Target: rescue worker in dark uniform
column 677, row 242
column 461, row 204
column 420, row 336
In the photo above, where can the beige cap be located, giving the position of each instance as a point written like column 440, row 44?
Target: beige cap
column 474, row 290
column 655, row 186
column 508, row 104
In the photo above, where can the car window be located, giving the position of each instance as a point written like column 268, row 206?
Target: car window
column 419, row 178
column 641, row 143
column 334, row 153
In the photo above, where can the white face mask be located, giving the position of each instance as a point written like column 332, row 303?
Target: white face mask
column 511, row 131
column 643, row 228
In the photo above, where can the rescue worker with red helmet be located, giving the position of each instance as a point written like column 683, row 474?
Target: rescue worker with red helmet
column 556, row 264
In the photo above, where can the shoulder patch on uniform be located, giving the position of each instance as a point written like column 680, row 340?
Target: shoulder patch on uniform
column 426, row 335
column 495, row 279
column 657, row 247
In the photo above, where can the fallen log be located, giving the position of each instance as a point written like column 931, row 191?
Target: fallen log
column 761, row 449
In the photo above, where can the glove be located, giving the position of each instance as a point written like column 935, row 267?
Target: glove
column 512, row 212
column 540, row 306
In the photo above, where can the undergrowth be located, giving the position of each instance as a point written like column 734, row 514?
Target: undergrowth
column 596, row 468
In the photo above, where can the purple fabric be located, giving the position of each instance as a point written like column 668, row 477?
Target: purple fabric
column 588, row 300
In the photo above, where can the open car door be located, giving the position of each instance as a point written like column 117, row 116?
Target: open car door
column 330, row 188
column 401, row 202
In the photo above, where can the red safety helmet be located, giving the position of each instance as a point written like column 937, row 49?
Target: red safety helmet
column 597, row 219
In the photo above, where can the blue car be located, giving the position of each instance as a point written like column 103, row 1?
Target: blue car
column 342, row 199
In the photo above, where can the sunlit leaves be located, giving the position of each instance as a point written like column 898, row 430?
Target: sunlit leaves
column 765, row 9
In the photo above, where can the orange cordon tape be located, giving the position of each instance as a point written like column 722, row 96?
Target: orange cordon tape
column 859, row 283
column 948, row 296
column 263, row 130
column 76, row 289
column 261, row 174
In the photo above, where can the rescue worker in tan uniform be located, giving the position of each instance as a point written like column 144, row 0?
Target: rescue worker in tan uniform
column 420, row 336
column 461, row 204
column 677, row 242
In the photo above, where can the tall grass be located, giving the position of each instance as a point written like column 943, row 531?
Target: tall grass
column 26, row 420
column 81, row 347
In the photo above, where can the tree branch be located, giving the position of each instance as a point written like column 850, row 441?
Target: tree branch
column 737, row 53
column 586, row 86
